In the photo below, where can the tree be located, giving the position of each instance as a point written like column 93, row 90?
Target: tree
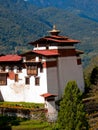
column 72, row 115
column 94, row 76
column 87, row 83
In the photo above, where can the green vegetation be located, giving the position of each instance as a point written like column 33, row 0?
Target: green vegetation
column 21, row 105
column 22, row 22
column 91, row 95
column 93, row 63
column 94, row 76
column 32, row 124
column 14, row 123
column 72, row 115
column 17, row 123
column 91, row 80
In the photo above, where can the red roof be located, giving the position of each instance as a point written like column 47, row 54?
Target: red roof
column 46, row 52
column 54, row 39
column 57, row 37
column 9, row 58
column 60, row 39
column 45, row 95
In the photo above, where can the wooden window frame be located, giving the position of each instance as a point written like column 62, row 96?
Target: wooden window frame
column 16, row 78
column 3, row 81
column 41, row 69
column 27, row 80
column 37, row 81
column 32, row 70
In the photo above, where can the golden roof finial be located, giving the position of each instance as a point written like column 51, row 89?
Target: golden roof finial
column 54, row 27
column 54, row 31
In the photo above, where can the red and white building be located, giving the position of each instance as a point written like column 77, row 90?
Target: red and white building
column 41, row 72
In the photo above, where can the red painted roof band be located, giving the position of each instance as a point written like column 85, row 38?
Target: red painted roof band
column 10, row 58
column 45, row 95
column 62, row 41
column 46, row 52
column 55, row 39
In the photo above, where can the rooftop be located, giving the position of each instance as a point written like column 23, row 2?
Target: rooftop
column 45, row 95
column 10, row 58
column 54, row 39
column 46, row 53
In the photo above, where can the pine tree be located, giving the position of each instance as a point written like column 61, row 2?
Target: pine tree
column 72, row 115
column 94, row 76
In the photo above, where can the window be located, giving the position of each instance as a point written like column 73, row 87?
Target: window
column 27, row 80
column 41, row 68
column 16, row 77
column 37, row 81
column 3, row 78
column 32, row 70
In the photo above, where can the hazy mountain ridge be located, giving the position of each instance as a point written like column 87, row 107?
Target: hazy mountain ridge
column 22, row 22
column 89, row 7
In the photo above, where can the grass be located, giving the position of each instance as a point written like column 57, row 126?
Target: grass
column 22, row 105
column 15, row 123
column 32, row 125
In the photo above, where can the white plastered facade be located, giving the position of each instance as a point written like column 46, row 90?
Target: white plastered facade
column 52, row 80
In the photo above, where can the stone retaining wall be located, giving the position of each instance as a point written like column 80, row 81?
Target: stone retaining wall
column 24, row 113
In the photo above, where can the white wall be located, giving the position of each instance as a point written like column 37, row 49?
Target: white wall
column 52, row 80
column 52, row 112
column 18, row 91
column 36, row 91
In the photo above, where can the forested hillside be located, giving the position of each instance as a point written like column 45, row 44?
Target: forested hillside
column 88, row 7
column 18, row 25
column 22, row 22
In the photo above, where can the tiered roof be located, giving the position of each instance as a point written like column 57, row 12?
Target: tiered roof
column 54, row 40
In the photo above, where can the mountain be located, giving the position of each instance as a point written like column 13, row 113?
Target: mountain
column 22, row 21
column 18, row 25
column 88, row 7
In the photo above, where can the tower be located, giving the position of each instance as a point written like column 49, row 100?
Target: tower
column 61, row 61
column 45, row 70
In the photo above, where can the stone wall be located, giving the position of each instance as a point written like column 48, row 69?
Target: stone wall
column 24, row 113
